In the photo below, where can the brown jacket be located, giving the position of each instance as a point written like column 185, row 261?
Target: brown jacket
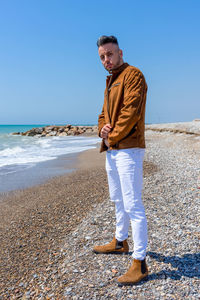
column 124, row 108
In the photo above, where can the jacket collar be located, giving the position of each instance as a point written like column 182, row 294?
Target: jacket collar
column 119, row 69
column 114, row 74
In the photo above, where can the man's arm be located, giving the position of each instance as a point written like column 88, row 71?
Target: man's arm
column 130, row 113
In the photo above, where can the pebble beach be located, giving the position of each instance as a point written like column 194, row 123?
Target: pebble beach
column 47, row 232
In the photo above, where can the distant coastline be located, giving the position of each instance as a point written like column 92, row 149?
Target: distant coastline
column 172, row 126
column 192, row 127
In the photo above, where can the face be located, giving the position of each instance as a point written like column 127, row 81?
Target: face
column 111, row 56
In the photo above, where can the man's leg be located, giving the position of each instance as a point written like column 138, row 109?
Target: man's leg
column 122, row 217
column 129, row 163
column 130, row 169
column 119, row 243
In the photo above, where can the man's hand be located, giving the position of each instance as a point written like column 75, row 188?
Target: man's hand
column 105, row 131
column 106, row 143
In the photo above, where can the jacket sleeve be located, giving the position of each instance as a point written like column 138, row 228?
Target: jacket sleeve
column 130, row 112
column 101, row 121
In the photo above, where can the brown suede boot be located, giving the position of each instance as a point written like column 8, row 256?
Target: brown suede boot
column 136, row 273
column 114, row 247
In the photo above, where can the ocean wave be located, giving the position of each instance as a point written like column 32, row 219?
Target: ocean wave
column 25, row 160
column 44, row 143
column 30, row 150
column 11, row 151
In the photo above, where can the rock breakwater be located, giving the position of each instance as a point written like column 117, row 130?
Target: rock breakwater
column 63, row 130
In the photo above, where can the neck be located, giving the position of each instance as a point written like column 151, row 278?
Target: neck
column 117, row 68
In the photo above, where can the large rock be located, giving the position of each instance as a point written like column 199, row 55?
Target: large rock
column 31, row 133
column 68, row 126
column 61, row 129
column 38, row 130
column 62, row 134
column 53, row 133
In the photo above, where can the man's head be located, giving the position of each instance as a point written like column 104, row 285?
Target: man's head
column 110, row 54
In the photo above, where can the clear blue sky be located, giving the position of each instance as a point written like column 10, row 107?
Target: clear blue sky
column 49, row 66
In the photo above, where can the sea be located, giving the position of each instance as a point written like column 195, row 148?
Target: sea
column 20, row 154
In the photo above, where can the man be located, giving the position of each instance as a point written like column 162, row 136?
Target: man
column 121, row 127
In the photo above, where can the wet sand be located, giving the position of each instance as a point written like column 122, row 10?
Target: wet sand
column 29, row 176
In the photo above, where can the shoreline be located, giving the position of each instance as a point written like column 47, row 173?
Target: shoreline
column 37, row 174
column 40, row 172
column 63, row 164
column 86, row 161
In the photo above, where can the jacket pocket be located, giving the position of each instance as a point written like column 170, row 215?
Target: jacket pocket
column 116, row 84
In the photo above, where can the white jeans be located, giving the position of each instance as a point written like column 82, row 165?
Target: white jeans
column 125, row 175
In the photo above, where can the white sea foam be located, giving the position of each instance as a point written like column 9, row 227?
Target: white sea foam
column 11, row 151
column 27, row 151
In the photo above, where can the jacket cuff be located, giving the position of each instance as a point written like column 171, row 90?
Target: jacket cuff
column 103, row 146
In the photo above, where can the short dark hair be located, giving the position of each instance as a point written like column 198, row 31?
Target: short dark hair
column 104, row 39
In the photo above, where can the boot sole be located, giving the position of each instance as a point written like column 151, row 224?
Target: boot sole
column 120, row 284
column 111, row 252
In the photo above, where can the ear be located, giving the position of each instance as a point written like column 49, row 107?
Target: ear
column 120, row 53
